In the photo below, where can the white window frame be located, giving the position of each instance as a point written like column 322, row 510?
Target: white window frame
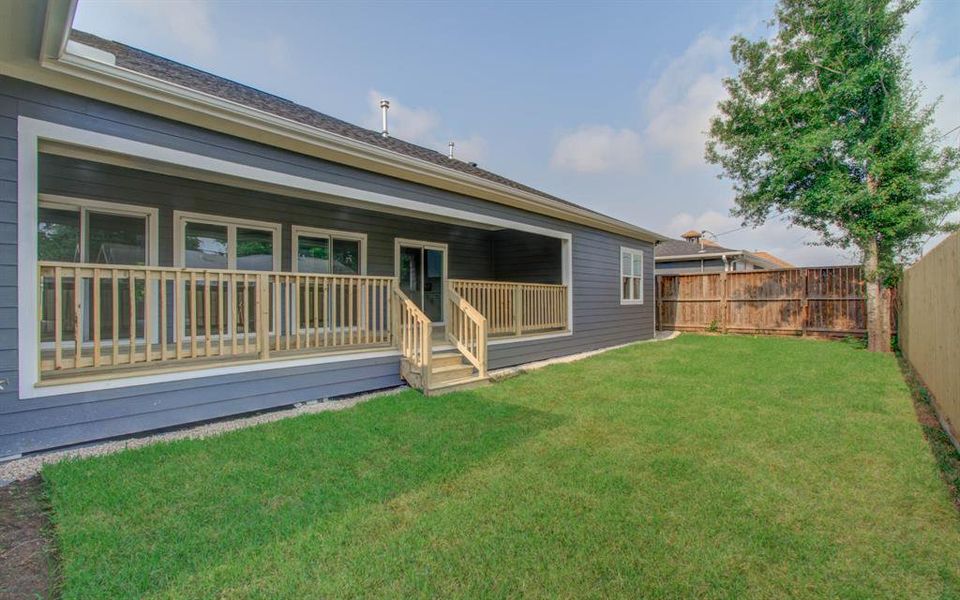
column 86, row 205
column 181, row 218
column 632, row 252
column 422, row 245
column 297, row 230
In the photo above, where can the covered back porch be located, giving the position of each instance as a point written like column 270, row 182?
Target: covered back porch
column 144, row 269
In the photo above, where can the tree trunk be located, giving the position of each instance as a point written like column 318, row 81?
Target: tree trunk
column 878, row 334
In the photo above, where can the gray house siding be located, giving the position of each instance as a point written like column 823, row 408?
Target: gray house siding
column 520, row 256
column 469, row 249
column 31, row 424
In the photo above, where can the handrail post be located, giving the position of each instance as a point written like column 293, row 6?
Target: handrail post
column 517, row 309
column 263, row 315
column 426, row 350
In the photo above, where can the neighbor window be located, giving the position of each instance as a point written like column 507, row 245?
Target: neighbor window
column 631, row 276
column 322, row 251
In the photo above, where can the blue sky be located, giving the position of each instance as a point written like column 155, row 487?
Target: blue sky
column 603, row 104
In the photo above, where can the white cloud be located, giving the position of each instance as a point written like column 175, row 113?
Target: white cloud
column 421, row 126
column 682, row 100
column 186, row 23
column 677, row 110
column 598, row 148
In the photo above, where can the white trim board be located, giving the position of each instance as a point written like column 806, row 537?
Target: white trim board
column 32, row 131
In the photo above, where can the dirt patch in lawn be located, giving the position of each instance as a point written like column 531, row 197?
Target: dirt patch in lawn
column 945, row 453
column 26, row 554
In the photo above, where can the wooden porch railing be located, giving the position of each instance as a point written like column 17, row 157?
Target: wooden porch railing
column 516, row 308
column 414, row 331
column 467, row 330
column 104, row 316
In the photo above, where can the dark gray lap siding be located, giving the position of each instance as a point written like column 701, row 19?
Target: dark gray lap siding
column 32, row 424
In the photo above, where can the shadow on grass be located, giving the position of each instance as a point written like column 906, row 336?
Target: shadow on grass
column 134, row 523
column 944, row 452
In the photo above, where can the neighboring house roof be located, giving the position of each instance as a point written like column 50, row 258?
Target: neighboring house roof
column 140, row 61
column 690, row 249
column 774, row 259
column 676, row 248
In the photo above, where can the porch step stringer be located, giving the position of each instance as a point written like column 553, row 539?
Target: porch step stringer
column 449, row 371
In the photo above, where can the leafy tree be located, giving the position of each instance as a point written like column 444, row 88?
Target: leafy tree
column 823, row 125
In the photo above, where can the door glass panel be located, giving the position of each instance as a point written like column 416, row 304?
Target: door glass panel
column 206, row 246
column 313, row 254
column 346, row 257
column 433, row 284
column 410, row 268
column 58, row 234
column 116, row 239
column 254, row 250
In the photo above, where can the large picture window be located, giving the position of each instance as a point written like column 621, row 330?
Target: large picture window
column 214, row 242
column 631, row 276
column 91, row 231
column 325, row 251
column 80, row 230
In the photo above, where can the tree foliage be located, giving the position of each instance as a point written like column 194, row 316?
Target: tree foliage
column 823, row 125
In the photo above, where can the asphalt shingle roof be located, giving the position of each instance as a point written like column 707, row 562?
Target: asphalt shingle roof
column 140, row 61
column 686, row 248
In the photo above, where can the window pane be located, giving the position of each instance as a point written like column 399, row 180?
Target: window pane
column 254, row 250
column 637, row 264
column 313, row 254
column 58, row 234
column 116, row 239
column 206, row 246
column 346, row 257
column 636, row 288
column 625, row 286
column 625, row 263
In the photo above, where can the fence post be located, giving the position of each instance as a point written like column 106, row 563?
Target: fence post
column 263, row 315
column 723, row 301
column 805, row 304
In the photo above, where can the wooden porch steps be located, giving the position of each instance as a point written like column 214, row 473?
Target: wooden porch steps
column 449, row 371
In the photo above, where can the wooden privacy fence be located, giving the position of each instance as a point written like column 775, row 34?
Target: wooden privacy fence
column 824, row 301
column 929, row 326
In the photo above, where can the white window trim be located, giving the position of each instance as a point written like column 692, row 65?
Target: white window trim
column 86, row 205
column 631, row 251
column 181, row 218
column 31, row 132
column 297, row 230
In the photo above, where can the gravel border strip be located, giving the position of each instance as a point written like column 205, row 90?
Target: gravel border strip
column 24, row 468
column 28, row 466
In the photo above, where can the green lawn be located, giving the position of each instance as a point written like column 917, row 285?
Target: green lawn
column 715, row 467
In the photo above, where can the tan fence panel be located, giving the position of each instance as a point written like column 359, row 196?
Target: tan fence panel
column 812, row 301
column 929, row 325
